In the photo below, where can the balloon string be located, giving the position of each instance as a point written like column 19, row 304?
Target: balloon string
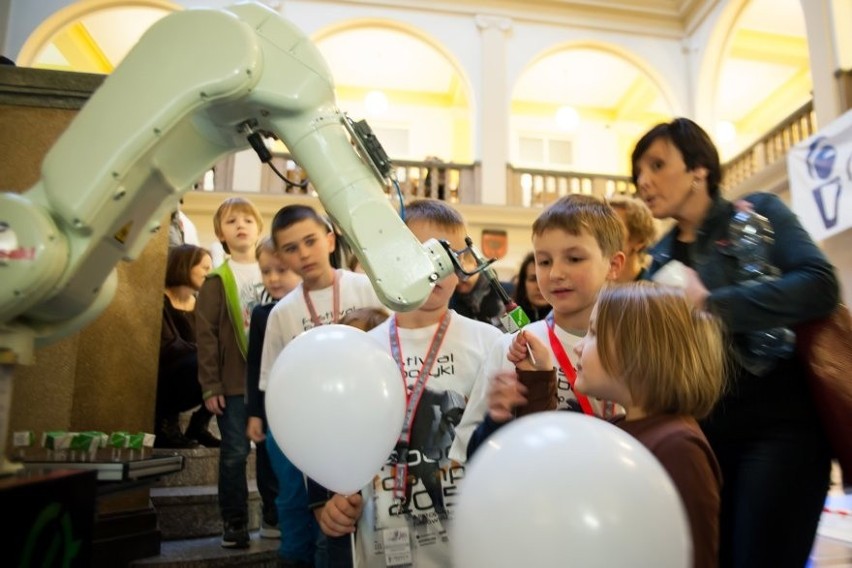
column 352, row 543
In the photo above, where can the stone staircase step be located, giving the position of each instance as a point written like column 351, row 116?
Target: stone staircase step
column 207, row 552
column 201, row 467
column 192, row 511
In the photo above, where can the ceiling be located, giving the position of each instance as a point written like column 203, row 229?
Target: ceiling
column 764, row 75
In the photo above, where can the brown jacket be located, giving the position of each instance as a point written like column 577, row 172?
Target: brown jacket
column 680, row 446
column 221, row 365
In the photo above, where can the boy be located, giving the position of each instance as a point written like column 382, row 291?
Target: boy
column 304, row 242
column 278, row 281
column 577, row 243
column 438, row 353
column 641, row 233
column 223, row 312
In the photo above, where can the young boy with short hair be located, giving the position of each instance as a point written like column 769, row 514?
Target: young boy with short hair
column 223, row 312
column 278, row 281
column 577, row 243
column 304, row 242
column 438, row 353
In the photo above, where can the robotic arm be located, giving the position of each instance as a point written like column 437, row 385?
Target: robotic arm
column 191, row 91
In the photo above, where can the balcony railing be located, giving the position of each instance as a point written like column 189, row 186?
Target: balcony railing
column 538, row 188
column 771, row 148
column 527, row 187
column 440, row 180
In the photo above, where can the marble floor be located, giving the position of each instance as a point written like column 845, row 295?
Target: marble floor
column 833, row 546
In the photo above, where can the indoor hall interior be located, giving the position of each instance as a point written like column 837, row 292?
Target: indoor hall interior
column 500, row 107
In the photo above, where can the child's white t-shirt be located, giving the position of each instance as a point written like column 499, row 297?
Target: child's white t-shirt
column 433, row 496
column 290, row 316
column 496, row 362
column 249, row 288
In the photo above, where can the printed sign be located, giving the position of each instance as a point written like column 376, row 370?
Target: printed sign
column 820, row 172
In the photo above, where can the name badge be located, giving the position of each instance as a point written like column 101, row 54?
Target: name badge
column 397, row 544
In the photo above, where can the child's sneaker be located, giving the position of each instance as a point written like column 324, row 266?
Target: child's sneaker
column 269, row 530
column 236, row 535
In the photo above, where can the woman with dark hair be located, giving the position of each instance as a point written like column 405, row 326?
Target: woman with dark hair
column 527, row 294
column 178, row 389
column 774, row 455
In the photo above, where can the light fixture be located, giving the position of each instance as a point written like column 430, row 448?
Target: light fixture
column 567, row 118
column 726, row 132
column 376, row 103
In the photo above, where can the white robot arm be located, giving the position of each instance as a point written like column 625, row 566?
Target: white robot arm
column 190, row 91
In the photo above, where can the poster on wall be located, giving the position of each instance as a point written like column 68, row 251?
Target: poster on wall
column 820, row 172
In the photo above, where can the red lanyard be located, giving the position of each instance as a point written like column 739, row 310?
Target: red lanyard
column 567, row 367
column 412, row 399
column 335, row 294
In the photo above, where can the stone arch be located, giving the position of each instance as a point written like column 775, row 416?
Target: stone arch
column 725, row 46
column 44, row 33
column 646, row 69
column 463, row 85
column 407, row 29
column 710, row 68
column 602, row 140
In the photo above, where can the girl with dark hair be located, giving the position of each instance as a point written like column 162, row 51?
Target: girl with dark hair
column 527, row 294
column 177, row 379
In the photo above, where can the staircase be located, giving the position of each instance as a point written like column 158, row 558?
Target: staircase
column 188, row 518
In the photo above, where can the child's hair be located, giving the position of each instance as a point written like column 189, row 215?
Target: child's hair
column 670, row 355
column 181, row 260
column 264, row 245
column 577, row 212
column 353, row 264
column 240, row 205
column 434, row 211
column 292, row 214
column 364, row 319
column 638, row 220
column 521, row 296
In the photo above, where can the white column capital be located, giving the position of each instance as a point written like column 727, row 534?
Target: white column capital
column 488, row 21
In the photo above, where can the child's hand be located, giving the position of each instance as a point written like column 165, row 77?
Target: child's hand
column 254, row 430
column 506, row 394
column 215, row 404
column 340, row 514
column 519, row 353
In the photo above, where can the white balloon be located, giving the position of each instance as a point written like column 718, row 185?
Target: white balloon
column 564, row 489
column 335, row 403
column 673, row 273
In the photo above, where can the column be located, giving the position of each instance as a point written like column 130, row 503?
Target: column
column 493, row 123
column 822, row 33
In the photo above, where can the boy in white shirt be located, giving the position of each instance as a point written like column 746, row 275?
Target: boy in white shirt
column 304, row 242
column 439, row 353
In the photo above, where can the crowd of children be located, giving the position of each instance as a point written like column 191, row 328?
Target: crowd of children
column 654, row 360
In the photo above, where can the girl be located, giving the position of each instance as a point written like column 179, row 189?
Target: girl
column 663, row 361
column 527, row 293
column 177, row 380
